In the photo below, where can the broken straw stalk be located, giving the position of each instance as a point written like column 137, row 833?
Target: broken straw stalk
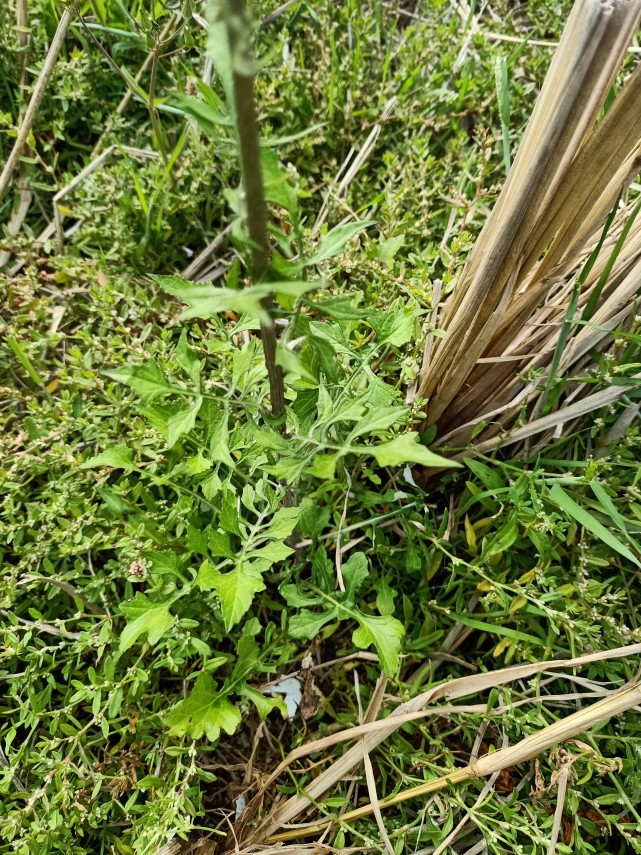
column 527, row 749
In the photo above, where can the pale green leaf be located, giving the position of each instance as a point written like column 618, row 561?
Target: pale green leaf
column 385, row 633
column 349, row 410
column 324, row 466
column 307, row 624
column 355, row 570
column 341, row 308
column 147, row 380
column 376, row 421
column 115, row 457
column 394, row 326
column 267, row 438
column 501, row 540
column 188, row 359
column 277, row 181
column 235, row 589
column 263, row 704
column 274, row 551
column 143, row 616
column 297, row 598
column 182, row 422
column 282, row 524
column 247, row 498
column 216, row 422
column 384, row 597
column 388, row 249
column 220, row 544
column 404, row 448
column 204, row 712
column 205, row 301
column 207, row 117
column 332, row 334
column 229, row 519
column 292, row 364
column 199, row 464
column 218, row 48
column 335, row 240
column 287, row 469
column 489, row 476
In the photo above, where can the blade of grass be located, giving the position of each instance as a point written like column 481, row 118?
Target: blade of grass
column 565, row 330
column 595, row 295
column 23, row 359
column 608, row 506
column 503, row 98
column 567, row 504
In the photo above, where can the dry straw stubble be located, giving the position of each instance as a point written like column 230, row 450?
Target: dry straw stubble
column 503, row 318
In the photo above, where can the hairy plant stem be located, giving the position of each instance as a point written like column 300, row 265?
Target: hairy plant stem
column 252, row 180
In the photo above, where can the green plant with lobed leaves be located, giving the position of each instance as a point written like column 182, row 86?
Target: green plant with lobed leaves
column 338, row 410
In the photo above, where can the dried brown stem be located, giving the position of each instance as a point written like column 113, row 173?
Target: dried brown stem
column 36, row 100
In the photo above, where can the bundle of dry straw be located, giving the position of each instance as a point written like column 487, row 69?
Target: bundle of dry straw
column 526, row 280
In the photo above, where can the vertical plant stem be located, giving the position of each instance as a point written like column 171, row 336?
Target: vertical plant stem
column 22, row 27
column 153, row 112
column 36, row 100
column 252, row 179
